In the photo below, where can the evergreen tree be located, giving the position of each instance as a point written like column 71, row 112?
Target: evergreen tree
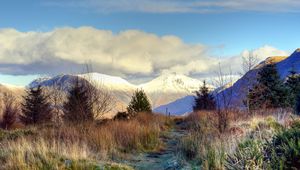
column 78, row 106
column 139, row 103
column 204, row 100
column 270, row 91
column 297, row 105
column 293, row 84
column 35, row 108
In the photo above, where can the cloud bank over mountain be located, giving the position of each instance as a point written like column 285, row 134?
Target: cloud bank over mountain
column 127, row 53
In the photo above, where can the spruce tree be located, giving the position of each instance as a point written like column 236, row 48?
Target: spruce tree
column 139, row 103
column 297, row 105
column 204, row 100
column 35, row 108
column 78, row 107
column 270, row 91
column 293, row 84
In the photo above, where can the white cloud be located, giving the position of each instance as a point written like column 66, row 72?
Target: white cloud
column 264, row 52
column 182, row 6
column 208, row 66
column 129, row 54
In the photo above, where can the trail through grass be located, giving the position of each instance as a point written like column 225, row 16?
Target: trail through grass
column 165, row 158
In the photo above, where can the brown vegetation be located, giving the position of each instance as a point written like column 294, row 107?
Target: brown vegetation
column 10, row 111
column 82, row 145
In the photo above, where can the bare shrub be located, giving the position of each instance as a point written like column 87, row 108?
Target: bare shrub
column 101, row 99
column 248, row 63
column 223, row 98
column 57, row 96
column 10, row 111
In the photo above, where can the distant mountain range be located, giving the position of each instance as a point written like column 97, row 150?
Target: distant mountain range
column 161, row 90
column 173, row 93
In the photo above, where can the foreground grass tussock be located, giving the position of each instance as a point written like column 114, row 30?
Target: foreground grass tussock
column 257, row 142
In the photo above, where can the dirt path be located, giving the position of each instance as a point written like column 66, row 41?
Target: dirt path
column 165, row 159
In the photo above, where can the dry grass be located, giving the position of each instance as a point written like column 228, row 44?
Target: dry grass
column 82, row 145
column 46, row 154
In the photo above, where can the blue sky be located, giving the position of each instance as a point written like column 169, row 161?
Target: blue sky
column 225, row 27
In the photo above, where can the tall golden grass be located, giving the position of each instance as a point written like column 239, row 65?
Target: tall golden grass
column 81, row 145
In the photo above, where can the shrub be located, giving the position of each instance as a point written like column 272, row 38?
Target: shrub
column 283, row 152
column 248, row 155
column 121, row 116
column 10, row 112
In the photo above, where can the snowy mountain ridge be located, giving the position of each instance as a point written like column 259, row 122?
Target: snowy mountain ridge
column 161, row 90
column 167, row 82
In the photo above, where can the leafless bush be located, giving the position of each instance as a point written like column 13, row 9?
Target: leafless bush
column 248, row 63
column 223, row 97
column 57, row 97
column 101, row 99
column 10, row 111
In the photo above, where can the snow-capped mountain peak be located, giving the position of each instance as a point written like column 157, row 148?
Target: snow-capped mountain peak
column 172, row 82
column 107, row 80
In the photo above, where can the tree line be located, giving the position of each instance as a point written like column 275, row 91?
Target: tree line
column 81, row 105
column 269, row 91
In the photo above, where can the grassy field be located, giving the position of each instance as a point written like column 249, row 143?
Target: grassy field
column 255, row 141
column 80, row 146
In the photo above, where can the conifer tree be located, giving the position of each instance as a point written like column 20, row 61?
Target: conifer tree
column 293, row 85
column 139, row 103
column 35, row 108
column 270, row 91
column 204, row 100
column 297, row 105
column 78, row 107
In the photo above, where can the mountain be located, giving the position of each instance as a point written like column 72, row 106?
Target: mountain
column 178, row 107
column 237, row 92
column 170, row 87
column 172, row 83
column 284, row 65
column 292, row 62
column 161, row 90
column 120, row 89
